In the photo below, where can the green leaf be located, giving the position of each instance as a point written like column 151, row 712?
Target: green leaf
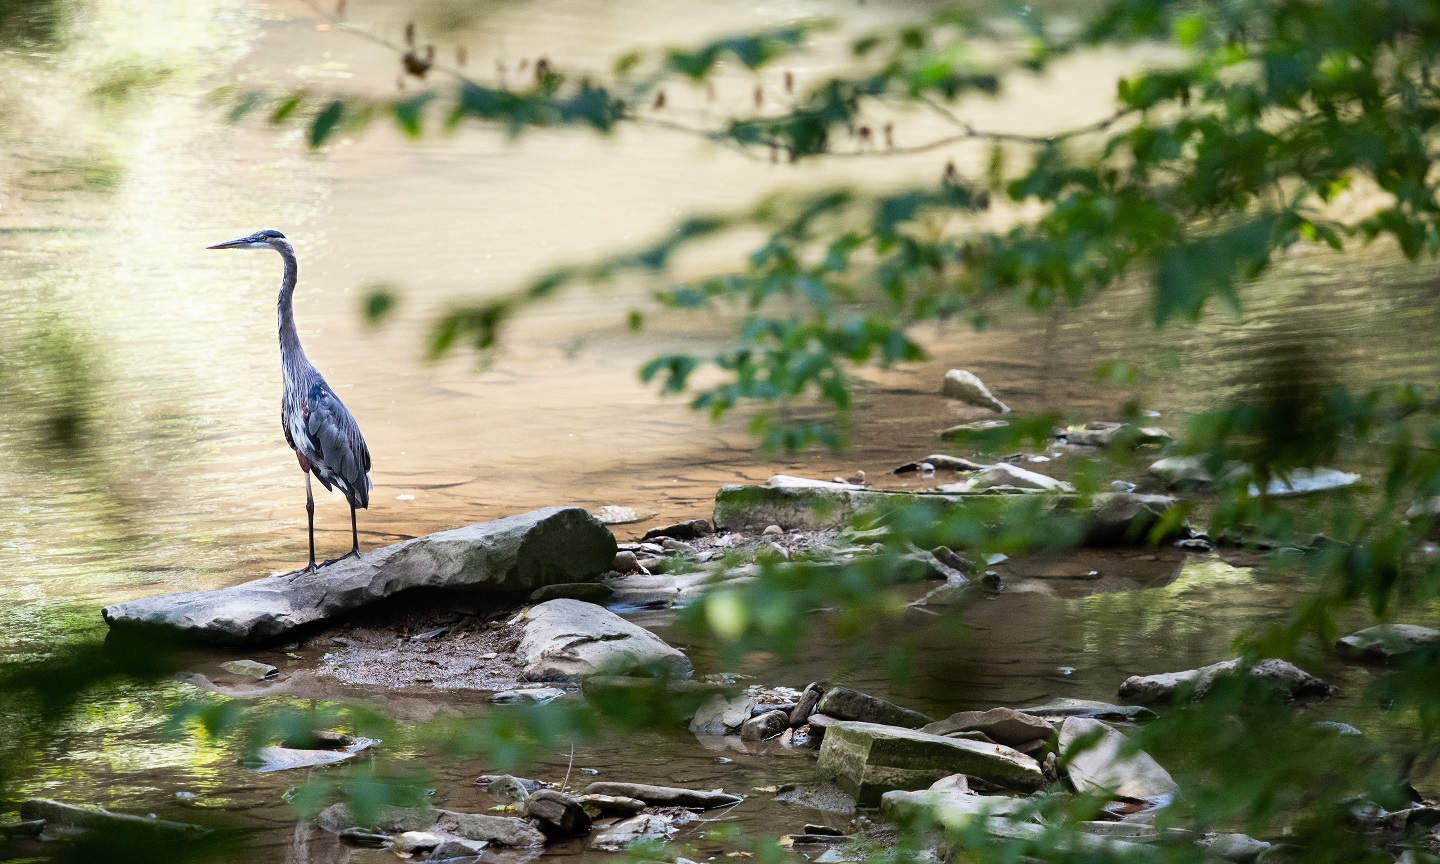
column 325, row 123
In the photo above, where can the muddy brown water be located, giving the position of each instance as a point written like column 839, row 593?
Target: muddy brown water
column 184, row 481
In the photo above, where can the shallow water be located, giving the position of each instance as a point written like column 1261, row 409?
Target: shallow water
column 182, row 479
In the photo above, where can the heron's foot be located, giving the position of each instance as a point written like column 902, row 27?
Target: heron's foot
column 353, row 553
column 303, row 571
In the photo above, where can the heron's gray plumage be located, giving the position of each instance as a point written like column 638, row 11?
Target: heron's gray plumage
column 325, row 437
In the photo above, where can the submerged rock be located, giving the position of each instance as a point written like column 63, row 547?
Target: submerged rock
column 1286, row 679
column 250, row 669
column 765, row 726
column 1239, row 848
column 1062, row 708
column 1100, row 769
column 968, row 388
column 866, row 760
column 510, row 556
column 1195, row 471
column 665, row 796
column 1001, row 725
column 90, row 817
column 1385, row 642
column 1103, row 434
column 269, row 759
column 565, row 640
column 842, row 703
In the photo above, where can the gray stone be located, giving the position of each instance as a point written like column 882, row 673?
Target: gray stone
column 623, row 835
column 250, row 669
column 764, row 726
column 952, row 783
column 565, row 640
column 337, row 819
column 1127, row 519
column 1003, row 475
column 961, row 430
column 590, row 592
column 1239, row 848
column 510, row 556
column 1062, row 708
column 867, row 759
column 557, row 814
column 90, row 817
column 842, row 703
column 1385, row 642
column 1001, row 725
column 1100, row 769
column 609, row 805
column 968, row 388
column 1284, row 678
column 665, row 796
column 625, row 561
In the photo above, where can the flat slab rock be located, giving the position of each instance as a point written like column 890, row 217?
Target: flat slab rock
column 1001, row 725
column 867, row 760
column 1388, row 641
column 1099, row 768
column 1286, row 679
column 499, row 830
column 510, row 556
column 665, row 796
column 567, row 640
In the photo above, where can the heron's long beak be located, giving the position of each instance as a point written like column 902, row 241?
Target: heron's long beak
column 242, row 243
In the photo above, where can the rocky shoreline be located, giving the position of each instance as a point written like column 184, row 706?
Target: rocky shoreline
column 538, row 607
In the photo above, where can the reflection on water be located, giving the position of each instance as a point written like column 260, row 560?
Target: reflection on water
column 153, row 364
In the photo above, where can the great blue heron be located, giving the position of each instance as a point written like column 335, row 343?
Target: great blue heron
column 325, row 438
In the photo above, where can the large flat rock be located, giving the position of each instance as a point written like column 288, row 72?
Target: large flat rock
column 510, row 556
column 568, row 640
column 1097, row 762
column 867, row 760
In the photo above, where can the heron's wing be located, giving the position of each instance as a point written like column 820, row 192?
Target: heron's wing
column 336, row 439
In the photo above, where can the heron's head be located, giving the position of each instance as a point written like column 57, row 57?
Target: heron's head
column 266, row 239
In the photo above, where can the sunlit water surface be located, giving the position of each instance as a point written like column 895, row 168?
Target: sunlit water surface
column 116, row 171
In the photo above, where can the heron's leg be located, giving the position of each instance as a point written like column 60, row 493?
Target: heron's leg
column 354, row 542
column 310, row 518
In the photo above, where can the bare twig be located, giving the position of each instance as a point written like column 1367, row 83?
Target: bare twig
column 565, row 784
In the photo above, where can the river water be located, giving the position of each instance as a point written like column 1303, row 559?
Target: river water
column 159, row 358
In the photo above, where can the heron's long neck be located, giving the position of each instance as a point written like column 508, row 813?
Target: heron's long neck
column 291, row 354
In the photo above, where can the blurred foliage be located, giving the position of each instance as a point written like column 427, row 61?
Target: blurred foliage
column 36, row 25
column 1232, row 151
